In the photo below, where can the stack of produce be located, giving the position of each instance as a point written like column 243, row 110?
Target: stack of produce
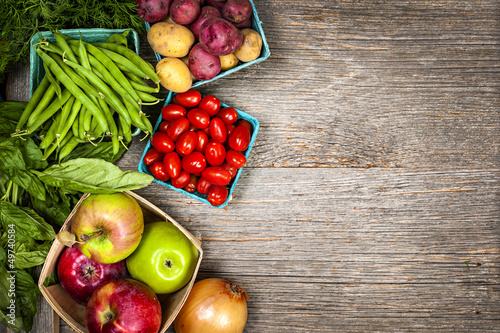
column 90, row 90
column 199, row 38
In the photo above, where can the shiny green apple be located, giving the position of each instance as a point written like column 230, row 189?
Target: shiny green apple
column 165, row 259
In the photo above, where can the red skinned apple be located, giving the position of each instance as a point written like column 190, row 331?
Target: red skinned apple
column 80, row 276
column 108, row 227
column 123, row 305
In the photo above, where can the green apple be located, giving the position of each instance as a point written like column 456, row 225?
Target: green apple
column 165, row 259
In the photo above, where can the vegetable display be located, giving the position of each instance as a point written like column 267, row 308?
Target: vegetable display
column 215, row 35
column 36, row 196
column 90, row 90
column 199, row 146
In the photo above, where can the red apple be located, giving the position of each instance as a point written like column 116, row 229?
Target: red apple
column 80, row 276
column 108, row 227
column 123, row 305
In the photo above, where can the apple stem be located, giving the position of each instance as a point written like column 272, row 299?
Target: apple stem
column 86, row 238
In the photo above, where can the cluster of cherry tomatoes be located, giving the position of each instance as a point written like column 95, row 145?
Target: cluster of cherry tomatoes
column 199, row 145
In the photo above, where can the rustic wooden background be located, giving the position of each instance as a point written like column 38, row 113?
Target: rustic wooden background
column 370, row 202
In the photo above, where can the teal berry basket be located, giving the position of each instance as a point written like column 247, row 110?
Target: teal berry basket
column 264, row 54
column 91, row 35
column 196, row 195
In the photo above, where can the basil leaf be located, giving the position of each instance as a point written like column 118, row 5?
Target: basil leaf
column 51, row 279
column 3, row 256
column 28, row 224
column 27, row 294
column 103, row 151
column 12, row 163
column 30, row 256
column 10, row 112
column 92, row 175
column 56, row 207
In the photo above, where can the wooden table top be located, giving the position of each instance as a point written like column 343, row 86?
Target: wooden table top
column 370, row 201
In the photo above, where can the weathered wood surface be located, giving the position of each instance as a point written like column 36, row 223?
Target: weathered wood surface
column 370, row 202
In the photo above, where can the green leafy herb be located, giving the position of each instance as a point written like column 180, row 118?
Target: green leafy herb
column 92, row 175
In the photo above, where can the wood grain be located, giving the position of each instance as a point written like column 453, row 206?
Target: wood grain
column 370, row 201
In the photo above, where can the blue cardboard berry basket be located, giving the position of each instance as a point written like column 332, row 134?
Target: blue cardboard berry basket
column 90, row 35
column 264, row 54
column 196, row 195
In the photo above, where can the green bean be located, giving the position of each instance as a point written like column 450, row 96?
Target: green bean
column 33, row 102
column 119, row 38
column 113, row 130
column 52, row 80
column 51, row 133
column 144, row 87
column 73, row 88
column 43, row 104
column 81, row 120
column 82, row 83
column 68, row 147
column 134, row 57
column 74, row 126
column 67, row 122
column 57, row 103
column 109, row 94
column 147, row 98
column 125, row 129
column 110, row 64
column 45, row 128
column 62, row 43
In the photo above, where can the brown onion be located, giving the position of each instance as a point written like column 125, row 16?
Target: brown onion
column 214, row 305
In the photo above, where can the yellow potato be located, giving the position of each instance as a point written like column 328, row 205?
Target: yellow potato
column 186, row 61
column 174, row 75
column 168, row 19
column 228, row 61
column 251, row 46
column 170, row 39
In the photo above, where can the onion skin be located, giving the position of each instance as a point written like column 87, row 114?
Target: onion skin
column 214, row 305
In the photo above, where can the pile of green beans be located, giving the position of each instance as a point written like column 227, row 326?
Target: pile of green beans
column 90, row 91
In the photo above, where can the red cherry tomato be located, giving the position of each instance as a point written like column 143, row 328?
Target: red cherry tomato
column 235, row 158
column 216, row 175
column 215, row 153
column 202, row 141
column 211, row 104
column 202, row 186
column 163, row 126
column 232, row 170
column 162, row 142
column 230, row 128
column 247, row 124
column 199, row 118
column 173, row 111
column 218, row 130
column 158, row 171
column 177, row 127
column 240, row 138
column 217, row 195
column 182, row 180
column 189, row 99
column 228, row 115
column 194, row 162
column 151, row 156
column 207, row 131
column 186, row 143
column 191, row 186
column 172, row 163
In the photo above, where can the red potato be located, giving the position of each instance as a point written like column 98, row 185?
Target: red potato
column 185, row 11
column 220, row 37
column 237, row 11
column 245, row 24
column 205, row 13
column 152, row 10
column 203, row 65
